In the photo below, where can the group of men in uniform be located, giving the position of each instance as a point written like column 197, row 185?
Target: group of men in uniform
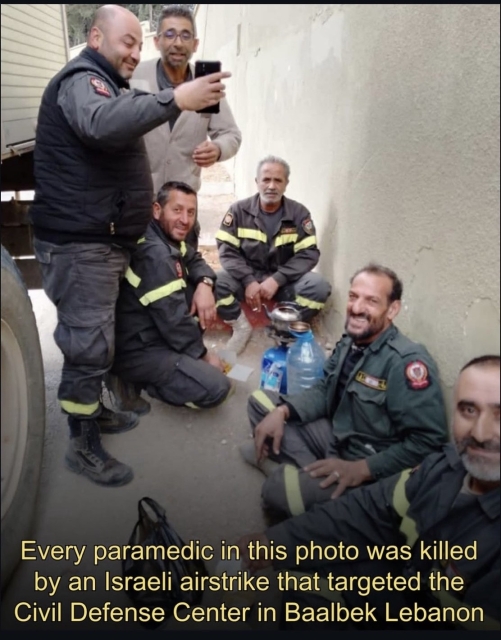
column 134, row 297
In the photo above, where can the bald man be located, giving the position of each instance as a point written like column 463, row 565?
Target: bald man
column 92, row 204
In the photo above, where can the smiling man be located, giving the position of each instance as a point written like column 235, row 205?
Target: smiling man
column 187, row 143
column 92, row 202
column 441, row 518
column 378, row 410
column 165, row 304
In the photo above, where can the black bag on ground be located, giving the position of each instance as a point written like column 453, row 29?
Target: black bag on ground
column 152, row 529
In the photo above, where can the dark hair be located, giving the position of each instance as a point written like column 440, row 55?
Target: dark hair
column 163, row 195
column 176, row 11
column 483, row 361
column 378, row 270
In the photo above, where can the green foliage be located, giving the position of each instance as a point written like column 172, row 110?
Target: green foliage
column 79, row 17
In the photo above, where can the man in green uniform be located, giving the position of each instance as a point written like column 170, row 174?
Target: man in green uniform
column 441, row 517
column 378, row 410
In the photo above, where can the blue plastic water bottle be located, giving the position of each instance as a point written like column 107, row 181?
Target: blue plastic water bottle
column 305, row 362
column 274, row 369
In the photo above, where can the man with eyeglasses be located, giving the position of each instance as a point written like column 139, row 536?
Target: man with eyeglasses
column 180, row 148
column 92, row 204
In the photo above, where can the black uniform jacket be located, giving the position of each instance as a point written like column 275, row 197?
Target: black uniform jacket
column 153, row 307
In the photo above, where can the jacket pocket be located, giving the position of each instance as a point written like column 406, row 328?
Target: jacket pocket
column 369, row 411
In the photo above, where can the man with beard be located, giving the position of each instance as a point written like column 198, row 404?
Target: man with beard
column 92, row 203
column 451, row 501
column 378, row 410
column 180, row 148
column 165, row 304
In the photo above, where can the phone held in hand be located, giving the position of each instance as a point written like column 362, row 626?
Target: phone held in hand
column 204, row 68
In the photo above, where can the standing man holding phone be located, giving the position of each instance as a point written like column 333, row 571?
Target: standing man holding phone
column 181, row 147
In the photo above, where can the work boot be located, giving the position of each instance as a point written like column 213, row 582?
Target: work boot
column 116, row 421
column 242, row 331
column 266, row 466
column 125, row 396
column 87, row 456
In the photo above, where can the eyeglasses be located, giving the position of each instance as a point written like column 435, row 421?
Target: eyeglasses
column 172, row 34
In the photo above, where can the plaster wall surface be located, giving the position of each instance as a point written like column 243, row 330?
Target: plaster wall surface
column 389, row 117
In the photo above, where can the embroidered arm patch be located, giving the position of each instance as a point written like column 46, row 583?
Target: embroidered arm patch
column 100, row 87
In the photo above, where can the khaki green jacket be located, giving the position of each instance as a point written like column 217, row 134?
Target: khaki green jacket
column 392, row 411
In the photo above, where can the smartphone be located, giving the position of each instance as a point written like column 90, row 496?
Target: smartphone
column 204, row 68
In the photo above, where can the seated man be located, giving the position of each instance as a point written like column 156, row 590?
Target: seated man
column 267, row 248
column 378, row 410
column 165, row 303
column 453, row 497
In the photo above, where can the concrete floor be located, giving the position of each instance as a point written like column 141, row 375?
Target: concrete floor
column 186, row 460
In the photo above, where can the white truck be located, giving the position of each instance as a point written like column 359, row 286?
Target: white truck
column 34, row 46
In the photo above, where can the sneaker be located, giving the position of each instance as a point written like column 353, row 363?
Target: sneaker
column 242, row 331
column 116, row 421
column 87, row 456
column 125, row 396
column 266, row 466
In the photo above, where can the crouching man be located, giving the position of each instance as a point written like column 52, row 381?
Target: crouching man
column 165, row 304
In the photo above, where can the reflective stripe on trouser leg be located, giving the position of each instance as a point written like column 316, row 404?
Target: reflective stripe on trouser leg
column 82, row 280
column 310, row 292
column 260, row 403
column 229, row 293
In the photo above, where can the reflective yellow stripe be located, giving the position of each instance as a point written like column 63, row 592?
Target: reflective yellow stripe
column 184, row 248
column 311, row 304
column 253, row 234
column 141, row 240
column 293, row 490
column 304, row 244
column 224, row 236
column 190, row 405
column 401, row 506
column 263, row 400
column 162, row 292
column 285, row 239
column 225, row 302
column 132, row 279
column 80, row 409
column 323, row 591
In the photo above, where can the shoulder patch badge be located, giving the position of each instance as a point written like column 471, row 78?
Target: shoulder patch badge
column 371, row 381
column 308, row 226
column 100, row 87
column 179, row 270
column 228, row 219
column 417, row 375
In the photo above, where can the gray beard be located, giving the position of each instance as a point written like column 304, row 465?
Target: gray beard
column 479, row 470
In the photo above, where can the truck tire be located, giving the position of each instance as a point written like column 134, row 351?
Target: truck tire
column 23, row 415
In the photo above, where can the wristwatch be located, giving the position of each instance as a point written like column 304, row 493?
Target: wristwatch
column 208, row 281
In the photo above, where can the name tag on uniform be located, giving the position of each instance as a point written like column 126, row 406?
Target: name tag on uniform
column 371, row 381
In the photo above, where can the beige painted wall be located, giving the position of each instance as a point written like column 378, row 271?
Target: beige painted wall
column 389, row 117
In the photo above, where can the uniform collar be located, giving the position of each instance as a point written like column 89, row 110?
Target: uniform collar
column 158, row 231
column 489, row 502
column 254, row 207
column 106, row 66
column 385, row 337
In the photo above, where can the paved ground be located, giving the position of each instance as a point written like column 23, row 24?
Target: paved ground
column 188, row 461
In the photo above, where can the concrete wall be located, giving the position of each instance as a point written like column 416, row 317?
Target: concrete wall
column 389, row 116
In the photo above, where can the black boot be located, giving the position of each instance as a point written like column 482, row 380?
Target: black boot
column 125, row 396
column 87, row 456
column 116, row 421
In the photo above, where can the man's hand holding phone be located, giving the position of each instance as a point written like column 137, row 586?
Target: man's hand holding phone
column 203, row 92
